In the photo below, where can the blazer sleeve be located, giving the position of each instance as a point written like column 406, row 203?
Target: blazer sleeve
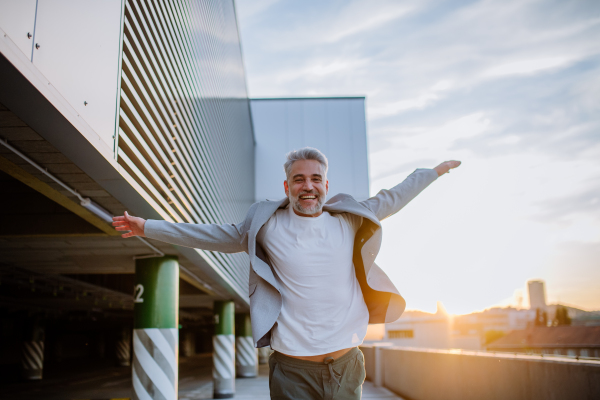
column 388, row 202
column 226, row 238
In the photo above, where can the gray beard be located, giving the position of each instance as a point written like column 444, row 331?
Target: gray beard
column 308, row 211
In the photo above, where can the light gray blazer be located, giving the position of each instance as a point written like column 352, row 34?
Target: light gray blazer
column 382, row 298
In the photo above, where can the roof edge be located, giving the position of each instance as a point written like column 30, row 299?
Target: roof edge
column 309, row 98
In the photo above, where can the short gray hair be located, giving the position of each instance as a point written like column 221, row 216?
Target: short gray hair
column 306, row 153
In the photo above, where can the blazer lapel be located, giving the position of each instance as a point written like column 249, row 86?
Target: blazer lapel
column 345, row 203
column 371, row 233
column 264, row 211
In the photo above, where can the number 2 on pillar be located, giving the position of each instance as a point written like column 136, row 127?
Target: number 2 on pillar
column 138, row 290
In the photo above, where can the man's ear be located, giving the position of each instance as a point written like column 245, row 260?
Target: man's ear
column 326, row 187
column 287, row 188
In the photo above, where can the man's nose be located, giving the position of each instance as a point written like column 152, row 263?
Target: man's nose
column 308, row 185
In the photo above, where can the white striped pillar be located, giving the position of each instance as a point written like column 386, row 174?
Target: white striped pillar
column 188, row 343
column 155, row 333
column 123, row 348
column 224, row 350
column 32, row 356
column 263, row 355
column 246, row 355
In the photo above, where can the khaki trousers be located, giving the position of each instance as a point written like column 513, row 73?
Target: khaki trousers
column 291, row 378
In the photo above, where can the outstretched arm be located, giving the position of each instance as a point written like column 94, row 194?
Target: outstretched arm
column 226, row 238
column 389, row 202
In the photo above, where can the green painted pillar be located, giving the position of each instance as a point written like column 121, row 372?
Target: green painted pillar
column 224, row 350
column 32, row 357
column 155, row 328
column 246, row 355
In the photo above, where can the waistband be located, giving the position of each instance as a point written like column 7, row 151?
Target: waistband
column 319, row 365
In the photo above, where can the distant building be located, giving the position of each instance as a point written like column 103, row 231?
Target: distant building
column 494, row 319
column 434, row 331
column 441, row 331
column 537, row 295
column 420, row 330
column 578, row 316
column 576, row 341
column 591, row 318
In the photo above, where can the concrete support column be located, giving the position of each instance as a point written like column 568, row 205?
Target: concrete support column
column 188, row 343
column 155, row 328
column 378, row 362
column 123, row 347
column 101, row 345
column 263, row 355
column 224, row 350
column 246, row 355
column 32, row 357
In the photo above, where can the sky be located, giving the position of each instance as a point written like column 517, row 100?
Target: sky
column 510, row 88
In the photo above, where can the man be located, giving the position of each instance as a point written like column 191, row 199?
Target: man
column 313, row 286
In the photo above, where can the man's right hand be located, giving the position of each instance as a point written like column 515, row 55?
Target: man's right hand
column 134, row 225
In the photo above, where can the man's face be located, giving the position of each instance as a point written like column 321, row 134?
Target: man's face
column 307, row 188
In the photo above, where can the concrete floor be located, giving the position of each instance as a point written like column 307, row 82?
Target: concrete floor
column 105, row 382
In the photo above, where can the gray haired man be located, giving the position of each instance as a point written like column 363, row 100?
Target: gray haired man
column 314, row 286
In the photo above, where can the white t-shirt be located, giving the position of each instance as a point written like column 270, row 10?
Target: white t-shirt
column 323, row 306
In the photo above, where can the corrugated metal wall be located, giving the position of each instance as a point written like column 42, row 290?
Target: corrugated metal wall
column 185, row 132
column 336, row 126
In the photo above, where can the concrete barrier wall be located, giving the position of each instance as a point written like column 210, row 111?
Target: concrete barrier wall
column 431, row 375
column 369, row 353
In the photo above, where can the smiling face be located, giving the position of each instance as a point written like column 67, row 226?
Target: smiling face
column 307, row 188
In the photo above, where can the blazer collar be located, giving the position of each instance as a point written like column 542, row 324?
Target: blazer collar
column 346, row 203
column 337, row 204
column 263, row 213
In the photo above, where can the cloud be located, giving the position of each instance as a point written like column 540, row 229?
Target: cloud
column 249, row 9
column 401, row 168
column 423, row 100
column 527, row 66
column 361, row 17
column 559, row 209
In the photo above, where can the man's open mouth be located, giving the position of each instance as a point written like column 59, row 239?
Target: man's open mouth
column 307, row 197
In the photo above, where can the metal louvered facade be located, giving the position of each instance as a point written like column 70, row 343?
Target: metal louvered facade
column 184, row 128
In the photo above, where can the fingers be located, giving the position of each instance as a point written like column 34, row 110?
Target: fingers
column 452, row 164
column 123, row 224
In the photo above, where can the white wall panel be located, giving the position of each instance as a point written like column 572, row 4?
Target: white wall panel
column 17, row 19
column 336, row 126
column 79, row 42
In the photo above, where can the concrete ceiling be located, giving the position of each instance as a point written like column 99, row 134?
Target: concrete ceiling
column 46, row 233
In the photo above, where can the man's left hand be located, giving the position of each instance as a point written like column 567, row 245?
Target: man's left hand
column 446, row 166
